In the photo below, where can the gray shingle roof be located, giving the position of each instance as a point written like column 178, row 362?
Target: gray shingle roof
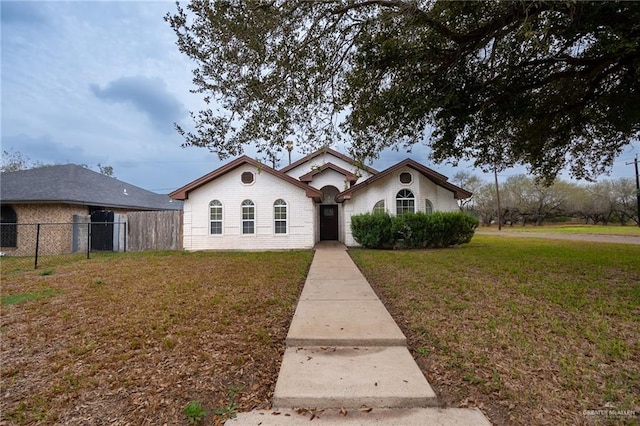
column 73, row 184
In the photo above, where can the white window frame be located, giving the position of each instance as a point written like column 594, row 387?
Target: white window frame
column 379, row 207
column 428, row 206
column 217, row 206
column 250, row 207
column 405, row 202
column 279, row 204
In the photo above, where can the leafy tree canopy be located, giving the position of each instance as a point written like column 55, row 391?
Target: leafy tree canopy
column 543, row 83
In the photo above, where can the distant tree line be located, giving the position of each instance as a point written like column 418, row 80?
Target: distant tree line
column 523, row 200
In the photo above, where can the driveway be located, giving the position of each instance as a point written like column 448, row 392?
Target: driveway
column 616, row 239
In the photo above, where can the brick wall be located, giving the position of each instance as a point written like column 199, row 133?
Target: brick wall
column 55, row 238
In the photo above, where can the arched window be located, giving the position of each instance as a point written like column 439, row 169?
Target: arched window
column 379, row 207
column 405, row 202
column 215, row 217
column 248, row 217
column 8, row 227
column 428, row 206
column 280, row 216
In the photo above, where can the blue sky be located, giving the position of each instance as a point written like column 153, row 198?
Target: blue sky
column 103, row 82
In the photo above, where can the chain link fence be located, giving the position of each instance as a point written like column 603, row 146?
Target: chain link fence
column 40, row 245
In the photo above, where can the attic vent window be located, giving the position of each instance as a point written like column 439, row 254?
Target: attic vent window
column 405, row 177
column 247, row 178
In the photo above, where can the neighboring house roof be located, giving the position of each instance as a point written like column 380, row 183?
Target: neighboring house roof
column 327, row 150
column 73, row 184
column 183, row 193
column 350, row 177
column 432, row 175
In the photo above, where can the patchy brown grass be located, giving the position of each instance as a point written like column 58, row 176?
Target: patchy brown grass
column 531, row 331
column 133, row 338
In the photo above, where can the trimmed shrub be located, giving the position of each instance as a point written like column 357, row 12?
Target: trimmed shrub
column 410, row 229
column 445, row 229
column 372, row 230
column 413, row 230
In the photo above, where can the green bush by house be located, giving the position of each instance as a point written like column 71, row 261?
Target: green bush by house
column 413, row 230
column 372, row 230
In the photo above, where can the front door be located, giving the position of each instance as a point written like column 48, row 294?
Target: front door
column 328, row 222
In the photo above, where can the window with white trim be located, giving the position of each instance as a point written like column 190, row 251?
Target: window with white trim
column 405, row 202
column 280, row 216
column 428, row 206
column 215, row 217
column 248, row 217
column 379, row 207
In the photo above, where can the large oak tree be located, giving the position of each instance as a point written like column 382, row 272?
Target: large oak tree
column 546, row 84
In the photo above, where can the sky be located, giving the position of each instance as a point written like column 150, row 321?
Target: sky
column 102, row 82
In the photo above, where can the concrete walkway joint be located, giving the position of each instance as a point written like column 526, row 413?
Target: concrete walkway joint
column 346, row 360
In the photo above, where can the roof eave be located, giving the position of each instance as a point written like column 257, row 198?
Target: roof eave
column 435, row 177
column 183, row 192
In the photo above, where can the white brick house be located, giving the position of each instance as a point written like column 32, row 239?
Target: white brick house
column 246, row 205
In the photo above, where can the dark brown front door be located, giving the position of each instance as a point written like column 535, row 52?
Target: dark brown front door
column 328, row 222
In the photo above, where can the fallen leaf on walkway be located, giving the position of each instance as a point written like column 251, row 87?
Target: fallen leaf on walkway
column 343, row 411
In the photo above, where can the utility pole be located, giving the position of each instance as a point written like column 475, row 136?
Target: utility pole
column 635, row 163
column 495, row 174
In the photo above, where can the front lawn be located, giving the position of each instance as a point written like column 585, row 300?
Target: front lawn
column 532, row 331
column 133, row 338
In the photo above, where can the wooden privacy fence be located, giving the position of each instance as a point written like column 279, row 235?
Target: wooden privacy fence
column 160, row 230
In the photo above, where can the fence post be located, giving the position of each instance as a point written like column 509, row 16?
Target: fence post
column 125, row 237
column 88, row 238
column 35, row 266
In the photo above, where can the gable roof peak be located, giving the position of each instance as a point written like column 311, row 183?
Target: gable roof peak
column 419, row 167
column 435, row 177
column 327, row 150
column 308, row 177
column 183, row 192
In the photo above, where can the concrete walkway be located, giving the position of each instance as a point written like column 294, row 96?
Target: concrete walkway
column 346, row 360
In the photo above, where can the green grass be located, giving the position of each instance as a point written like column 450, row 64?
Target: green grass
column 533, row 330
column 26, row 297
